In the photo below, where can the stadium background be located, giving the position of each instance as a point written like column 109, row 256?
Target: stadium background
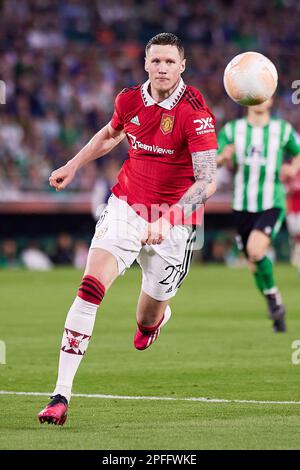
column 63, row 62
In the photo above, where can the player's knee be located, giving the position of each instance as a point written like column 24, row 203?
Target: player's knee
column 101, row 277
column 103, row 266
column 255, row 253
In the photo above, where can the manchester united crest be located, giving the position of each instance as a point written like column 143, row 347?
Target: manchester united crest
column 167, row 123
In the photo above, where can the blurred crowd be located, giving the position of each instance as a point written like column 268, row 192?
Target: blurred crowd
column 43, row 253
column 63, row 62
column 65, row 250
column 38, row 255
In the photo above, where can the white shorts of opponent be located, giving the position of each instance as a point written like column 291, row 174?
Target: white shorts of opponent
column 293, row 223
column 119, row 230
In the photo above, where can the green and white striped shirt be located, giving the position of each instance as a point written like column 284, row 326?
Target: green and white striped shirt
column 258, row 157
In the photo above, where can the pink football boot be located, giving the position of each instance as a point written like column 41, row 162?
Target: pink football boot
column 55, row 412
column 144, row 339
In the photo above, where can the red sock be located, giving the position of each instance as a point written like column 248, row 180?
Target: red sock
column 91, row 290
column 149, row 329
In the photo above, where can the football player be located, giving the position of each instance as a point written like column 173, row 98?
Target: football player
column 293, row 218
column 254, row 147
column 150, row 217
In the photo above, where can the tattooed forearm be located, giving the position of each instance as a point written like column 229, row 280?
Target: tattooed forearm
column 204, row 165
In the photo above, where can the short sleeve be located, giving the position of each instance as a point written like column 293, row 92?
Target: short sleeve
column 117, row 120
column 200, row 131
column 292, row 141
column 225, row 137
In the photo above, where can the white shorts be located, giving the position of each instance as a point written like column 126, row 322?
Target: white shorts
column 293, row 223
column 119, row 230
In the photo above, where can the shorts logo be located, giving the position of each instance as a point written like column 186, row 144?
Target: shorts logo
column 100, row 232
column 166, row 124
column 102, row 217
column 268, row 230
column 206, row 125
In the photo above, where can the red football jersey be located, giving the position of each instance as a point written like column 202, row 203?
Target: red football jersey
column 162, row 137
column 293, row 197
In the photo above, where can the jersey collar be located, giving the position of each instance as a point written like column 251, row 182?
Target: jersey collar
column 169, row 102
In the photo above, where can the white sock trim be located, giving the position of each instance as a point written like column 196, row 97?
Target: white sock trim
column 273, row 290
column 64, row 391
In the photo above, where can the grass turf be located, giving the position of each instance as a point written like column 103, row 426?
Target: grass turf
column 219, row 344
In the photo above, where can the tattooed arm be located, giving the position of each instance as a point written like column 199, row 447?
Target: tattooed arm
column 204, row 164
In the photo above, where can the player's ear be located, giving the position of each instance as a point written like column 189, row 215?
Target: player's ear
column 146, row 64
column 182, row 66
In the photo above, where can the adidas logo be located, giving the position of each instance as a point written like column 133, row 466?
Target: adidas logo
column 135, row 120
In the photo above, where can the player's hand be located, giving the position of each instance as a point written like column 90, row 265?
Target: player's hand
column 61, row 177
column 156, row 232
column 287, row 172
column 226, row 156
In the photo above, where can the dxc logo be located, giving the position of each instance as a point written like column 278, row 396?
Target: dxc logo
column 206, row 125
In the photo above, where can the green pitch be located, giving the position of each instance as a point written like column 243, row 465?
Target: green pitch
column 218, row 344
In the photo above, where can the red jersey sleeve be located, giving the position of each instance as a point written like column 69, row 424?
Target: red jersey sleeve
column 117, row 120
column 200, row 131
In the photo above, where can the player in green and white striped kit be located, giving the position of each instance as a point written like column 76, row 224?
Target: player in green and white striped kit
column 254, row 146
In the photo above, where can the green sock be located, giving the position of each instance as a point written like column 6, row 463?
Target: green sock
column 265, row 273
column 259, row 281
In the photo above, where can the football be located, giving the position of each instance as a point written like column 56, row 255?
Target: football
column 250, row 78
